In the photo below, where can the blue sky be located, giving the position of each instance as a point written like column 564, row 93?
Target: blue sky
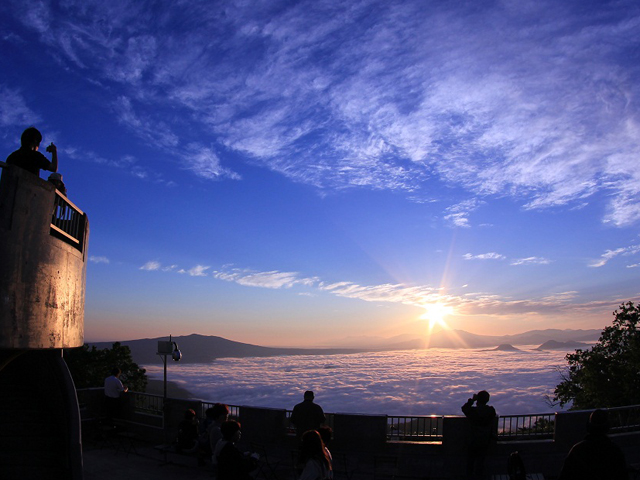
column 294, row 173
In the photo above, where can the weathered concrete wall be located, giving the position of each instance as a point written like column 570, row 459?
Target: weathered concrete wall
column 42, row 281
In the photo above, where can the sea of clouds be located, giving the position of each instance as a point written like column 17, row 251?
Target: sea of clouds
column 412, row 382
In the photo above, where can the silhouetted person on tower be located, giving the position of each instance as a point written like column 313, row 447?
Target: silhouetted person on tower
column 596, row 457
column 482, row 423
column 307, row 415
column 28, row 156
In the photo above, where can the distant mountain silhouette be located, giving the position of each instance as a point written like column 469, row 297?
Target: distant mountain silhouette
column 462, row 339
column 205, row 349
column 553, row 345
column 506, row 347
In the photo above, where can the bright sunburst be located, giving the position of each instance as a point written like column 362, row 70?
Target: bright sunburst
column 435, row 313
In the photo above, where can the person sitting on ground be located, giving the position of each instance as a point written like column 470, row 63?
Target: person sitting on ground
column 187, row 439
column 28, row 156
column 219, row 414
column 307, row 415
column 482, row 422
column 231, row 463
column 596, row 457
column 314, row 458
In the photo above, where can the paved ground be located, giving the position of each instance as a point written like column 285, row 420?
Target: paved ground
column 109, row 463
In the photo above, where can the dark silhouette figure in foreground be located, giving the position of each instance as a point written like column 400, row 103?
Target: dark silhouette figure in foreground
column 231, row 463
column 28, row 156
column 187, row 438
column 482, row 432
column 314, row 458
column 596, row 457
column 307, row 415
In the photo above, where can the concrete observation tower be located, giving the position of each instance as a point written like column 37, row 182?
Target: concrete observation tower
column 43, row 260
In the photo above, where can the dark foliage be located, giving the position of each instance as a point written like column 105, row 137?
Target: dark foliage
column 607, row 374
column 89, row 366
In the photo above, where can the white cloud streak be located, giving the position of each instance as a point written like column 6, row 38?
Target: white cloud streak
column 272, row 279
column 484, row 256
column 198, row 271
column 611, row 254
column 470, row 303
column 531, row 261
column 458, row 215
column 14, row 110
column 98, row 259
column 151, row 266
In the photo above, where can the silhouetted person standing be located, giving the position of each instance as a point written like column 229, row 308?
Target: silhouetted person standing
column 596, row 457
column 482, row 426
column 28, row 156
column 113, row 389
column 307, row 415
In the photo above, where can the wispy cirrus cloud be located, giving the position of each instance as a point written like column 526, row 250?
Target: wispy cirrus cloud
column 531, row 261
column 484, row 256
column 151, row 266
column 198, row 271
column 154, row 265
column 394, row 293
column 14, row 110
column 611, row 254
column 469, row 303
column 200, row 159
column 98, row 259
column 383, row 103
column 125, row 162
column 271, row 279
column 458, row 215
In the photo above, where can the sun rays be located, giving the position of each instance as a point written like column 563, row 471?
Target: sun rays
column 435, row 313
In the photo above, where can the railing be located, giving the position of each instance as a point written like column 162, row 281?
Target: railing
column 414, row 428
column 511, row 428
column 234, row 410
column 67, row 221
column 624, row 419
column 147, row 404
column 526, row 427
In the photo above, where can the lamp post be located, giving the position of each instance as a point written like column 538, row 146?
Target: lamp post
column 165, row 349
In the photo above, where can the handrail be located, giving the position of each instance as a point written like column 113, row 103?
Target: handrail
column 67, row 221
column 148, row 404
column 624, row 419
column 415, row 428
column 425, row 428
column 538, row 426
column 234, row 410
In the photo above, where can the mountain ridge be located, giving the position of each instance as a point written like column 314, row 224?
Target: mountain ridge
column 198, row 348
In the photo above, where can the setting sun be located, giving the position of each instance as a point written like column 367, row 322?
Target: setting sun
column 435, row 313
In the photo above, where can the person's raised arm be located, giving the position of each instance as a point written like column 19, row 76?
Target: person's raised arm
column 54, row 157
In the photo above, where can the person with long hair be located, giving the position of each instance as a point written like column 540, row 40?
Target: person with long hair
column 314, row 457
